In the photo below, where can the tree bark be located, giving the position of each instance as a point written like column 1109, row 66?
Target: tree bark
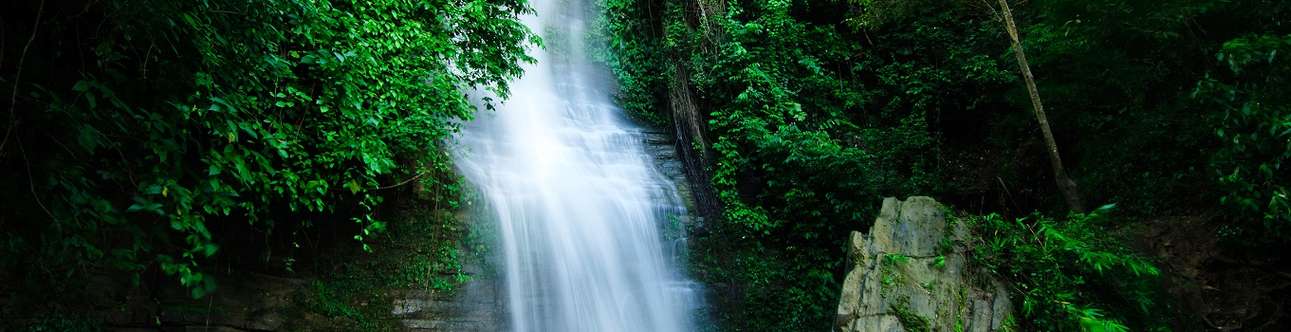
column 1065, row 184
column 688, row 124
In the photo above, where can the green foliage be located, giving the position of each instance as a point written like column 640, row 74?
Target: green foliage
column 754, row 276
column 356, row 291
column 1069, row 274
column 816, row 109
column 1119, row 77
column 873, row 14
column 1255, row 130
column 189, row 116
column 809, row 127
column 331, row 299
column 630, row 47
column 800, row 127
column 910, row 320
column 436, row 258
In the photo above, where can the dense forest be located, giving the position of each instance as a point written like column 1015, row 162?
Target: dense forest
column 1172, row 112
column 1118, row 161
column 169, row 140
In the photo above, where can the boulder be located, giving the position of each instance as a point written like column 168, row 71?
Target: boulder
column 912, row 273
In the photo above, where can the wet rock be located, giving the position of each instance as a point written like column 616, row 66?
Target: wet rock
column 475, row 306
column 252, row 302
column 911, row 274
column 661, row 147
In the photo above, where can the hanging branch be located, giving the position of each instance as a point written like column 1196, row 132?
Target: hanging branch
column 401, row 183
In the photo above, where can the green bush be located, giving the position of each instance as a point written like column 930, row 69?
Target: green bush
column 1070, row 275
column 185, row 116
column 809, row 129
column 1256, row 132
column 817, row 109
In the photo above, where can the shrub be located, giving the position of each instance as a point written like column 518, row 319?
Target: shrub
column 1070, row 275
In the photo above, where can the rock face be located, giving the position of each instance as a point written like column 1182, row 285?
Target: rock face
column 661, row 148
column 476, row 306
column 911, row 274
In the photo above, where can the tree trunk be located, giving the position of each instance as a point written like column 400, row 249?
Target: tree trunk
column 1065, row 184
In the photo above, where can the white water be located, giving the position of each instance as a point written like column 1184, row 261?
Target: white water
column 578, row 201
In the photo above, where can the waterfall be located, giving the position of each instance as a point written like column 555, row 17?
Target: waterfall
column 579, row 204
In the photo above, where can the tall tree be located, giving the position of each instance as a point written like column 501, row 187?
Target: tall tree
column 1065, row 184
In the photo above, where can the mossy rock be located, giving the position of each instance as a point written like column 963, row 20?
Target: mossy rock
column 910, row 274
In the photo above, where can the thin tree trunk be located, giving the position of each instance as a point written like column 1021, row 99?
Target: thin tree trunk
column 1065, row 184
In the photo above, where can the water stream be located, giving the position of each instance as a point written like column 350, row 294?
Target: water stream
column 579, row 204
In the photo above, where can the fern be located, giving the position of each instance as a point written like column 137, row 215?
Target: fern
column 1070, row 274
column 1093, row 319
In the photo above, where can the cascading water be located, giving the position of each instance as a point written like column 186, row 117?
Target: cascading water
column 578, row 201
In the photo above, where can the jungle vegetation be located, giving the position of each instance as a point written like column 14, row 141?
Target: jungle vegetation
column 165, row 141
column 812, row 111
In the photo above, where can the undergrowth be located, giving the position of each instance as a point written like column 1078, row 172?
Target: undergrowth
column 424, row 250
column 1070, row 275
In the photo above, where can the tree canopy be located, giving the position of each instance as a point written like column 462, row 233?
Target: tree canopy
column 138, row 130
